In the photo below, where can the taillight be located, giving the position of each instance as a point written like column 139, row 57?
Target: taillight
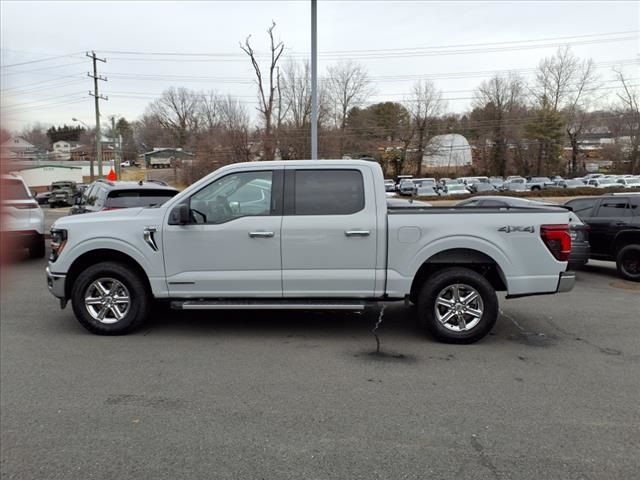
column 558, row 240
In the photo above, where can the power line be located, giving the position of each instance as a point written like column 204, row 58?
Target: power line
column 337, row 52
column 40, row 60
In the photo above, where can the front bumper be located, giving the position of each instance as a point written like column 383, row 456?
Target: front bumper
column 566, row 282
column 56, row 284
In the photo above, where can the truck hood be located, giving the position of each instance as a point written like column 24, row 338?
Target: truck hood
column 111, row 218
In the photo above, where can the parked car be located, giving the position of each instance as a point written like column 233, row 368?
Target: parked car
column 602, row 182
column 390, row 186
column 538, row 183
column 482, row 187
column 628, row 182
column 63, row 194
column 580, row 248
column 107, row 195
column 400, row 178
column 126, row 163
column 573, row 183
column 427, row 190
column 22, row 223
column 43, row 198
column 322, row 238
column 614, row 222
column 454, row 189
column 516, row 184
column 497, row 182
column 406, row 187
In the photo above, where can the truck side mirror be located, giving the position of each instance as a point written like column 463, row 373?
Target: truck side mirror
column 180, row 215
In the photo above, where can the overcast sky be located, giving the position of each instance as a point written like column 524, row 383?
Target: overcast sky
column 375, row 33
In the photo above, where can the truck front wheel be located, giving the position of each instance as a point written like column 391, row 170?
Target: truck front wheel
column 110, row 299
column 457, row 305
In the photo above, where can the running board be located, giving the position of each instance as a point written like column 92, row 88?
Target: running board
column 288, row 304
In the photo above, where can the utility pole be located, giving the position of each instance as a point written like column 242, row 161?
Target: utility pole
column 116, row 158
column 97, row 97
column 314, row 80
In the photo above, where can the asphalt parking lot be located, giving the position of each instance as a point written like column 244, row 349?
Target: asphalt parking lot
column 551, row 393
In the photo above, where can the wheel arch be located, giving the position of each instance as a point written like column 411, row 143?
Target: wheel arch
column 472, row 259
column 98, row 256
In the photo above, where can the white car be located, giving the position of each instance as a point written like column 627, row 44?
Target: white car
column 22, row 217
column 316, row 235
column 454, row 189
column 126, row 163
column 628, row 182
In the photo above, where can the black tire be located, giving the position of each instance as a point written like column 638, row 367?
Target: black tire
column 628, row 262
column 533, row 189
column 449, row 277
column 137, row 311
column 37, row 248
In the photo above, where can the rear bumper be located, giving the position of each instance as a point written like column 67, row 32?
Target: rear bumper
column 22, row 238
column 579, row 255
column 55, row 284
column 566, row 282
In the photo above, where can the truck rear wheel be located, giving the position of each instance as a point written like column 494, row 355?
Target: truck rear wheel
column 110, row 299
column 628, row 262
column 457, row 305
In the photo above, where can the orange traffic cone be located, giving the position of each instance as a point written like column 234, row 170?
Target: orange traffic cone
column 112, row 175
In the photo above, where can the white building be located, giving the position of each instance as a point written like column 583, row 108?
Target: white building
column 42, row 176
column 62, row 149
column 451, row 150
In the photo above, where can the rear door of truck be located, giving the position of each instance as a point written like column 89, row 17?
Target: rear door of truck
column 329, row 232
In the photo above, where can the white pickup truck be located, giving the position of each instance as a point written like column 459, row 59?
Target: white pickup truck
column 306, row 235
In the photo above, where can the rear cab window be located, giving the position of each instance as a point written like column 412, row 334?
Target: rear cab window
column 138, row 198
column 328, row 192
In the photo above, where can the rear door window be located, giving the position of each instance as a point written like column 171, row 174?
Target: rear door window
column 328, row 192
column 614, row 208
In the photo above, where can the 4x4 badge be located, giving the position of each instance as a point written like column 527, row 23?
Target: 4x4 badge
column 517, row 228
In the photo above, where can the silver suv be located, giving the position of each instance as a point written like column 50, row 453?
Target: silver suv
column 22, row 217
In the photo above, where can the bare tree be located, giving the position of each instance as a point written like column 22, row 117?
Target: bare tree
column 630, row 113
column 348, row 86
column 296, row 109
column 36, row 135
column 177, row 110
column 267, row 93
column 209, row 111
column 424, row 105
column 234, row 120
column 499, row 98
column 567, row 84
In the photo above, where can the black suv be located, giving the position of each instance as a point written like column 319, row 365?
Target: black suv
column 614, row 222
column 106, row 195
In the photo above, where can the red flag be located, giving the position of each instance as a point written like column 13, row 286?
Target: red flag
column 112, row 175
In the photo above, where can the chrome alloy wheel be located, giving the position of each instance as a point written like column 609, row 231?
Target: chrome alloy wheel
column 107, row 300
column 459, row 307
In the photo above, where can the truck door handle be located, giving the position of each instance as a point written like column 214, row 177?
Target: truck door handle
column 357, row 233
column 261, row 234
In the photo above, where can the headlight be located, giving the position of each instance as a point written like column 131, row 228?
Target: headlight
column 58, row 241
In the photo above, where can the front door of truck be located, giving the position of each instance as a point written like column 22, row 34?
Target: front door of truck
column 230, row 247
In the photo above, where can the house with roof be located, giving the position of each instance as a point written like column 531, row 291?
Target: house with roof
column 17, row 148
